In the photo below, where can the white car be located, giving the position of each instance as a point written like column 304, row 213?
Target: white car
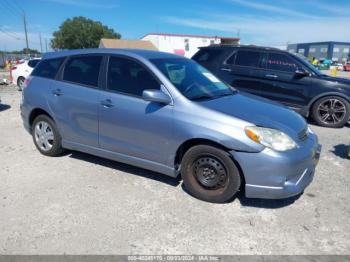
column 21, row 71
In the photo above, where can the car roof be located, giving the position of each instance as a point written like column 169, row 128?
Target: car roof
column 228, row 46
column 147, row 54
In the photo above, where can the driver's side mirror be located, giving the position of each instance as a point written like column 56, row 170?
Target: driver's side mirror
column 301, row 73
column 157, row 96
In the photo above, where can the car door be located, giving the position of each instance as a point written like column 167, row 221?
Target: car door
column 242, row 70
column 128, row 124
column 74, row 100
column 281, row 83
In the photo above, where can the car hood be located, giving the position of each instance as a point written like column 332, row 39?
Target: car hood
column 336, row 79
column 258, row 111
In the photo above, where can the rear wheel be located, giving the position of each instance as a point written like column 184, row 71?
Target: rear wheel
column 20, row 83
column 331, row 111
column 210, row 174
column 46, row 136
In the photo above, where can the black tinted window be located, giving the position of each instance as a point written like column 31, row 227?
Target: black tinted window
column 207, row 55
column 83, row 70
column 248, row 58
column 33, row 63
column 129, row 77
column 48, row 68
column 281, row 62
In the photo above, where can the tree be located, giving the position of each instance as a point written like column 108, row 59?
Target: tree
column 81, row 32
column 26, row 51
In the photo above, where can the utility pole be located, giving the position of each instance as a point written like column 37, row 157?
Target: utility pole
column 41, row 45
column 25, row 30
column 46, row 45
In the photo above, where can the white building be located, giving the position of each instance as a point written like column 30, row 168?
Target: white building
column 185, row 45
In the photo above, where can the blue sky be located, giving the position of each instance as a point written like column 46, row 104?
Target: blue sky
column 270, row 22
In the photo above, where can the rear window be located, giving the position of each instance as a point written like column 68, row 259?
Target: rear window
column 207, row 55
column 83, row 70
column 48, row 68
column 33, row 63
column 247, row 58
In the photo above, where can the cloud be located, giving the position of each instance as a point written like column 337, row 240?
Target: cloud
column 328, row 8
column 270, row 8
column 84, row 3
column 271, row 31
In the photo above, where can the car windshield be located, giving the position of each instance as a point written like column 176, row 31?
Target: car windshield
column 191, row 79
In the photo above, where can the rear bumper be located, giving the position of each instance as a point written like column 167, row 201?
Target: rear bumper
column 25, row 117
column 273, row 175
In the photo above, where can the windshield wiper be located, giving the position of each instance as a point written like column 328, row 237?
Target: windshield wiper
column 201, row 97
column 225, row 94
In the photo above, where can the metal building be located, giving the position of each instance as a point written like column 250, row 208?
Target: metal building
column 335, row 51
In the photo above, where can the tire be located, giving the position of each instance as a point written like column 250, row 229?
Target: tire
column 20, row 83
column 46, row 136
column 331, row 111
column 210, row 174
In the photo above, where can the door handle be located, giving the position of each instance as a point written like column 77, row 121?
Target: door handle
column 107, row 103
column 271, row 76
column 57, row 92
column 226, row 69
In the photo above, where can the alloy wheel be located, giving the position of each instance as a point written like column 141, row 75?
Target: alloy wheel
column 331, row 111
column 44, row 136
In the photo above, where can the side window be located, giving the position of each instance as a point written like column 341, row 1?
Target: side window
column 231, row 59
column 207, row 55
column 48, row 68
column 129, row 77
column 248, row 58
column 281, row 62
column 83, row 70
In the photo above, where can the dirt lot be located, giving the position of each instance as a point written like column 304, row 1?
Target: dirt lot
column 80, row 204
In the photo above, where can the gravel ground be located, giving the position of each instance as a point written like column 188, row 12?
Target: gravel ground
column 81, row 204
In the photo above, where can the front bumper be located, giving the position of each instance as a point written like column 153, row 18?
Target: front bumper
column 273, row 175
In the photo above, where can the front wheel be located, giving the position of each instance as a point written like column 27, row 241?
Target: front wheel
column 210, row 174
column 331, row 111
column 46, row 136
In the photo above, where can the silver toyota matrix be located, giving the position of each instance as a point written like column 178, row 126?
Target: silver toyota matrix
column 168, row 114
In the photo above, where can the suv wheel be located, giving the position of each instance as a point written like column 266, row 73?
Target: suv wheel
column 46, row 137
column 210, row 174
column 331, row 111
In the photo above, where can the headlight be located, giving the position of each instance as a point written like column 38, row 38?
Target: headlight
column 271, row 138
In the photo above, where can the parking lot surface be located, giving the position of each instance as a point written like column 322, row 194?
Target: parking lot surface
column 81, row 204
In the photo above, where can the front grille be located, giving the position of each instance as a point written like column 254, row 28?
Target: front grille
column 303, row 134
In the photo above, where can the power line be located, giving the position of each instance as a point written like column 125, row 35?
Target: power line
column 9, row 11
column 10, row 32
column 18, row 5
column 10, row 35
column 13, row 8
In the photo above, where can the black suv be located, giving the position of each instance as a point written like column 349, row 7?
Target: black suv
column 283, row 77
